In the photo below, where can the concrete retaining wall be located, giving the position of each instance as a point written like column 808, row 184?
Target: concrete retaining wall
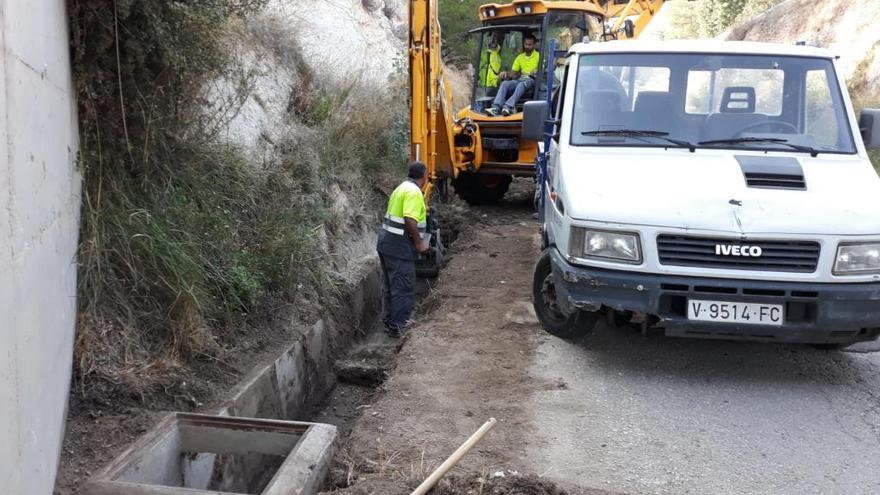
column 39, row 216
column 303, row 374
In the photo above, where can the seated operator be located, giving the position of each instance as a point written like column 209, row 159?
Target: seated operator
column 518, row 81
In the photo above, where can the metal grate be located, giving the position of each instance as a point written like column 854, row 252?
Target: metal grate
column 776, row 256
column 775, row 181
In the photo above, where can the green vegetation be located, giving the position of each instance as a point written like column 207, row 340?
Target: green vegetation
column 458, row 17
column 709, row 18
column 183, row 238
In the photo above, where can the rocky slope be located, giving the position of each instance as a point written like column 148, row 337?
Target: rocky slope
column 847, row 27
column 290, row 51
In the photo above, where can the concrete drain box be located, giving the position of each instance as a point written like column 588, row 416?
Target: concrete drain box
column 194, row 454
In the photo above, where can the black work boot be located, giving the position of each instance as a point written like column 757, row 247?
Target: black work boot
column 392, row 331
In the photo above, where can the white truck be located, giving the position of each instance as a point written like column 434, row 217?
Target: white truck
column 708, row 189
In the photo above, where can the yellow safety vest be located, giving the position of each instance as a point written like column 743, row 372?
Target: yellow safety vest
column 490, row 68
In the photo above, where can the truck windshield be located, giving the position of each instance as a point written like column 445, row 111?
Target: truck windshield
column 756, row 102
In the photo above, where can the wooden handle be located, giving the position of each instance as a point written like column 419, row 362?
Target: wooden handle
column 454, row 458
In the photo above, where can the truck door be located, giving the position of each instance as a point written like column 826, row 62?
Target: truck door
column 554, row 206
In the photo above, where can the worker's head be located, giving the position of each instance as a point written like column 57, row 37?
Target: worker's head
column 418, row 172
column 529, row 43
column 495, row 42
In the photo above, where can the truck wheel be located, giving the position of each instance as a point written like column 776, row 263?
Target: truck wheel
column 482, row 189
column 547, row 309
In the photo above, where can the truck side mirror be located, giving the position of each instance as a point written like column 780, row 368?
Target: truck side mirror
column 869, row 124
column 535, row 120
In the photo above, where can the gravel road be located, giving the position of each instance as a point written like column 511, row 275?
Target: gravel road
column 659, row 415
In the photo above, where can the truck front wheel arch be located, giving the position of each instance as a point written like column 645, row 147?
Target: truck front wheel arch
column 552, row 317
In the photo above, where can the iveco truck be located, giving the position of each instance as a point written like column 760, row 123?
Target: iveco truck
column 707, row 189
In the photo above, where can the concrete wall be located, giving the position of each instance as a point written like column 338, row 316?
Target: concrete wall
column 39, row 215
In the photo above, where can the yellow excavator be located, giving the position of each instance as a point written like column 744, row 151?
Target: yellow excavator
column 477, row 152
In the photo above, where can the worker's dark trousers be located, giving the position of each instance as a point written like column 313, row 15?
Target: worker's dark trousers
column 398, row 290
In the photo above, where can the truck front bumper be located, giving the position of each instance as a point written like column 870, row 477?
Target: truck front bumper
column 814, row 313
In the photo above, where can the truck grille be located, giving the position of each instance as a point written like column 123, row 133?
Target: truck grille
column 777, row 256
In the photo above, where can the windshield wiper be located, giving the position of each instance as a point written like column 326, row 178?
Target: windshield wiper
column 636, row 133
column 798, row 147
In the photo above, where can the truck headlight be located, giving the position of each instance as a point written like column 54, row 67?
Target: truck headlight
column 854, row 259
column 616, row 246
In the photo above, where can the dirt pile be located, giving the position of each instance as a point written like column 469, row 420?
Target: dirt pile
column 847, row 27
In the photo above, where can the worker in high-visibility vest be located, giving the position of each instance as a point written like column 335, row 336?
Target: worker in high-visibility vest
column 401, row 241
column 490, row 67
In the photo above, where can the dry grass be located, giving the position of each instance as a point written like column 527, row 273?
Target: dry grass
column 459, row 84
column 386, row 473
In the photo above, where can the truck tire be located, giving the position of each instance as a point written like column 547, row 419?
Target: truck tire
column 554, row 321
column 482, row 189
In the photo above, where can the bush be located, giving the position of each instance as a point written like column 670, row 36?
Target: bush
column 457, row 17
column 709, row 18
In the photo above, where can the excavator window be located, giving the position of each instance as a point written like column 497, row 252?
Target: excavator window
column 567, row 29
column 497, row 50
column 499, row 45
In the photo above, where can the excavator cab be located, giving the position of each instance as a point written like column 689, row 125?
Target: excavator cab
column 498, row 45
column 499, row 40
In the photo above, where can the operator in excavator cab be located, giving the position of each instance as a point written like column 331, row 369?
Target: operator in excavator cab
column 518, row 81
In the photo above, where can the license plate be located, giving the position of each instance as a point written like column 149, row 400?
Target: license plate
column 736, row 312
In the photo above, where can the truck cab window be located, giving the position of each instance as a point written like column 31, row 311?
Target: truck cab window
column 705, row 90
column 819, row 116
column 746, row 102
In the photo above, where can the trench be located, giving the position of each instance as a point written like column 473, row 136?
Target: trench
column 329, row 376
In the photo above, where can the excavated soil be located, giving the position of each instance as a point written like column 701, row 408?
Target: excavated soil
column 466, row 360
column 456, row 485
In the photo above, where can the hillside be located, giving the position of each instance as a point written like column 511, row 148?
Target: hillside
column 848, row 27
column 221, row 216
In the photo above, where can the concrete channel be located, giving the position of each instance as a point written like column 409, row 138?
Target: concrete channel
column 252, row 444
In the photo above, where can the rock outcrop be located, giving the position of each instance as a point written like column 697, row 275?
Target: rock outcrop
column 347, row 40
column 847, row 27
column 291, row 51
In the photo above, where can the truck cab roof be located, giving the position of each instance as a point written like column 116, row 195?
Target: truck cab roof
column 702, row 46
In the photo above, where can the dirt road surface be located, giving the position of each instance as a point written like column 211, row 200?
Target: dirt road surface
column 616, row 412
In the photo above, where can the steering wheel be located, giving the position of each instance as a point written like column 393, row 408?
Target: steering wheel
column 753, row 125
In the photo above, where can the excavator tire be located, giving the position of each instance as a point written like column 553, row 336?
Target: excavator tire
column 482, row 189
column 554, row 321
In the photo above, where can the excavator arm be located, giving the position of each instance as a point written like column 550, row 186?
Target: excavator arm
column 639, row 12
column 432, row 124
